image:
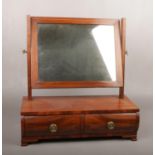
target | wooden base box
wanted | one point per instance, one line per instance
(49, 118)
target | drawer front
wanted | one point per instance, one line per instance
(52, 125)
(111, 123)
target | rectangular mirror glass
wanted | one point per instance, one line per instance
(74, 52)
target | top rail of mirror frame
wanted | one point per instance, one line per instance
(66, 20)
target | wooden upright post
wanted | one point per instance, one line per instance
(123, 46)
(29, 56)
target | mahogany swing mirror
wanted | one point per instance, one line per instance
(76, 53)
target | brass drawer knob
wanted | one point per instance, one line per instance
(53, 128)
(111, 125)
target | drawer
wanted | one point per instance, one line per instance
(51, 125)
(111, 123)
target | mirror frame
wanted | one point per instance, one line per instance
(32, 54)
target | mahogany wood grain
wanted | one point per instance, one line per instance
(29, 56)
(97, 123)
(67, 20)
(76, 105)
(30, 140)
(123, 44)
(39, 125)
(74, 126)
(78, 117)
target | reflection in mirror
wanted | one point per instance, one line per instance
(104, 37)
(69, 52)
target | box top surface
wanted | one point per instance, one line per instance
(76, 105)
